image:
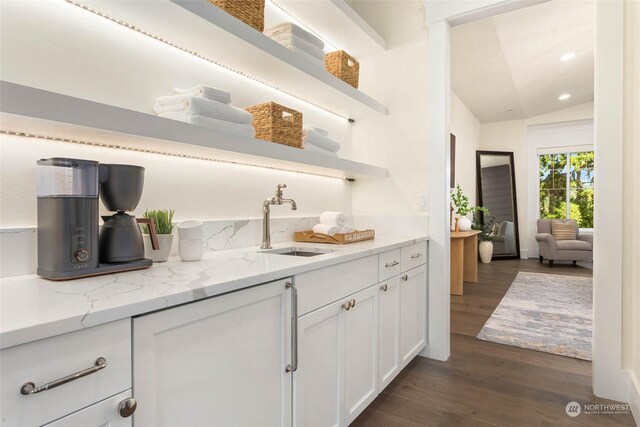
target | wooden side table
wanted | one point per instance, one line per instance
(464, 259)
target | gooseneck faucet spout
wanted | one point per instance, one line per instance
(266, 212)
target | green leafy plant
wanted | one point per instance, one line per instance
(485, 233)
(479, 213)
(460, 201)
(163, 220)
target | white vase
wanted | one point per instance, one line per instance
(162, 253)
(464, 223)
(486, 251)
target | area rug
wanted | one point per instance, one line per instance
(544, 312)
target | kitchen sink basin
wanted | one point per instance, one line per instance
(293, 251)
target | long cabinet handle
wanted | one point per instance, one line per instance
(30, 388)
(391, 264)
(416, 255)
(294, 327)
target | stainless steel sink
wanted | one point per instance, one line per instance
(298, 251)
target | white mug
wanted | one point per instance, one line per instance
(190, 230)
(191, 250)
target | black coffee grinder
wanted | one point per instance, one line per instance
(69, 245)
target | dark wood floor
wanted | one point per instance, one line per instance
(487, 384)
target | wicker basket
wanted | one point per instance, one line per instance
(343, 66)
(276, 123)
(251, 12)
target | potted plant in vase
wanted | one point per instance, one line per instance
(163, 220)
(461, 203)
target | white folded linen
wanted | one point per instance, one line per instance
(333, 218)
(315, 61)
(314, 138)
(196, 106)
(325, 229)
(291, 28)
(291, 40)
(208, 122)
(315, 149)
(316, 129)
(346, 228)
(208, 92)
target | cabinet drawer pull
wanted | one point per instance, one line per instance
(383, 287)
(30, 388)
(416, 255)
(391, 264)
(127, 407)
(294, 327)
(405, 277)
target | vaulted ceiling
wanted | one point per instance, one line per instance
(508, 66)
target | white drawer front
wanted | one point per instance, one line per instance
(320, 287)
(413, 256)
(47, 360)
(389, 264)
(102, 414)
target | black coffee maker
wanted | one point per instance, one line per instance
(69, 245)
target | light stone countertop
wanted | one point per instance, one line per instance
(33, 308)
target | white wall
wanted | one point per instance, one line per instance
(512, 136)
(466, 127)
(631, 194)
(56, 46)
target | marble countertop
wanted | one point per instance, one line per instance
(33, 308)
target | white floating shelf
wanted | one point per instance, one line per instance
(338, 23)
(199, 26)
(40, 112)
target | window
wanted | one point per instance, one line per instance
(566, 186)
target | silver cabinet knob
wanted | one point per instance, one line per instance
(405, 277)
(347, 305)
(383, 287)
(127, 407)
(353, 303)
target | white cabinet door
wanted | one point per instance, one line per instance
(388, 331)
(101, 414)
(216, 362)
(360, 352)
(413, 313)
(318, 381)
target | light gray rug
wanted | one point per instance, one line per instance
(544, 312)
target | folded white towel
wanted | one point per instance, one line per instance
(208, 92)
(315, 149)
(346, 228)
(291, 40)
(196, 106)
(333, 218)
(291, 28)
(314, 138)
(315, 61)
(208, 122)
(325, 229)
(316, 129)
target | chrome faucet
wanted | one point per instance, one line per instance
(277, 200)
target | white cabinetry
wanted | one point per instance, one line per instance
(413, 313)
(102, 414)
(216, 362)
(389, 331)
(337, 373)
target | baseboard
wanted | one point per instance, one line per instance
(634, 397)
(524, 253)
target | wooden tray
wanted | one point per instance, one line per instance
(338, 239)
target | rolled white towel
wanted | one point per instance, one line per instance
(291, 40)
(314, 149)
(325, 229)
(333, 218)
(314, 138)
(316, 129)
(219, 125)
(196, 106)
(346, 228)
(290, 27)
(208, 92)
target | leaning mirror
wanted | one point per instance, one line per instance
(496, 182)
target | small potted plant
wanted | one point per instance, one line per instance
(163, 220)
(461, 203)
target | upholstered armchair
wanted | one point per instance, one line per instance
(562, 246)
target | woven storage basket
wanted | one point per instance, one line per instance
(276, 123)
(343, 66)
(251, 12)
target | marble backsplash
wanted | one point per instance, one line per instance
(18, 246)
